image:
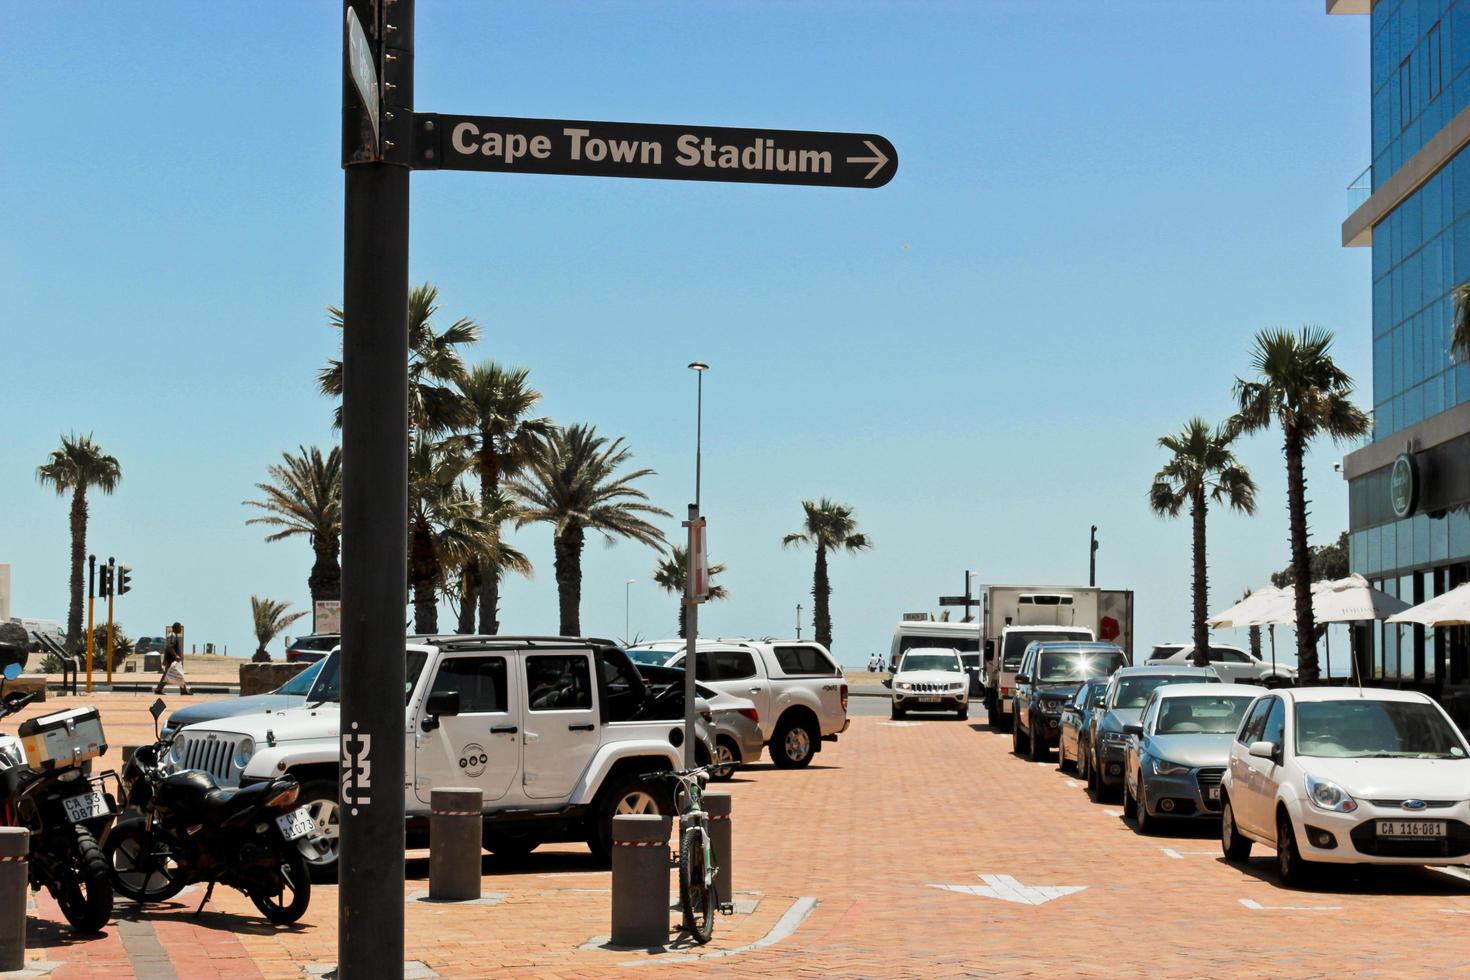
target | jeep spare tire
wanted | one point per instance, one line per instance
(794, 743)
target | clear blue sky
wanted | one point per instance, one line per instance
(1096, 207)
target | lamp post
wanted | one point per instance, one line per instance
(1092, 559)
(690, 599)
(798, 620)
(627, 606)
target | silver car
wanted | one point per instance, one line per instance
(735, 726)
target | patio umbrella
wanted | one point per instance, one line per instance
(1266, 606)
(1450, 609)
(1351, 600)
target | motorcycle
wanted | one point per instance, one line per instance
(187, 829)
(47, 787)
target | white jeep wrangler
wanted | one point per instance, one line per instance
(556, 733)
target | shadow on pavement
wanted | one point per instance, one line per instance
(52, 934)
(1360, 879)
(211, 918)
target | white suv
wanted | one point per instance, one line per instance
(556, 733)
(1233, 664)
(1347, 776)
(797, 687)
(931, 679)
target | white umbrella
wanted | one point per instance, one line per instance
(1262, 607)
(1351, 600)
(1450, 609)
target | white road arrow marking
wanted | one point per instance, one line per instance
(878, 160)
(1008, 889)
(1258, 907)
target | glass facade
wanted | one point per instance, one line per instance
(1421, 50)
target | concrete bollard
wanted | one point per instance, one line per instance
(14, 844)
(455, 830)
(640, 879)
(717, 805)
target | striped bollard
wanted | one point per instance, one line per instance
(14, 845)
(640, 879)
(455, 831)
(717, 805)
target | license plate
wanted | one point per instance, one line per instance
(85, 807)
(1213, 794)
(296, 824)
(928, 699)
(1411, 828)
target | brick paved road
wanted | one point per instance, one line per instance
(885, 815)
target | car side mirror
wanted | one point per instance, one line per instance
(1132, 729)
(1023, 678)
(1263, 750)
(441, 704)
(888, 682)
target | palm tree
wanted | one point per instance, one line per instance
(304, 498)
(433, 364)
(271, 619)
(445, 529)
(575, 487)
(498, 559)
(502, 436)
(1299, 387)
(1201, 468)
(1460, 331)
(78, 465)
(829, 526)
(672, 573)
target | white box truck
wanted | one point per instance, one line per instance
(1015, 616)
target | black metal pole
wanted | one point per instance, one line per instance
(1092, 558)
(374, 519)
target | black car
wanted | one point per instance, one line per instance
(310, 649)
(1072, 737)
(1048, 678)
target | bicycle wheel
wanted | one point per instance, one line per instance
(696, 886)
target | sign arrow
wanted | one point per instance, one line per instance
(1008, 889)
(877, 159)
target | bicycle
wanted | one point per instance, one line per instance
(698, 895)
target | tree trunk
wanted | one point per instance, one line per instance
(821, 590)
(262, 656)
(78, 562)
(1197, 510)
(489, 498)
(1301, 559)
(469, 582)
(325, 581)
(422, 578)
(683, 618)
(568, 548)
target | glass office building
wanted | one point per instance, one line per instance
(1409, 489)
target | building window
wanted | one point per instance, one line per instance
(1406, 90)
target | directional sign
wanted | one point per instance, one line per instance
(1008, 889)
(360, 64)
(614, 149)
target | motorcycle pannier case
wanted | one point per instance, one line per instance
(66, 738)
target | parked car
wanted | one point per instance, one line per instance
(1048, 677)
(964, 638)
(291, 694)
(148, 644)
(1235, 665)
(557, 733)
(735, 730)
(309, 649)
(1347, 776)
(1180, 748)
(1107, 739)
(931, 679)
(1072, 732)
(796, 686)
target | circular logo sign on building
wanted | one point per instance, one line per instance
(1403, 485)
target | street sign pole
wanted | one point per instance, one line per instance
(374, 486)
(91, 593)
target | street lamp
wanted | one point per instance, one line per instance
(1092, 559)
(691, 759)
(627, 605)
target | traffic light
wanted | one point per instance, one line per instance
(104, 588)
(124, 579)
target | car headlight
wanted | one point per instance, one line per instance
(1051, 707)
(1327, 795)
(244, 749)
(905, 686)
(960, 686)
(1163, 767)
(176, 754)
(1116, 738)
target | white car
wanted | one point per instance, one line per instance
(1347, 776)
(1233, 664)
(931, 679)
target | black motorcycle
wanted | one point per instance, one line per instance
(188, 829)
(66, 809)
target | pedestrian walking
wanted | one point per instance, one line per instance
(173, 661)
(874, 664)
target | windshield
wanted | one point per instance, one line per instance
(1062, 668)
(1016, 643)
(1133, 691)
(301, 683)
(1202, 715)
(1165, 650)
(1366, 729)
(328, 686)
(932, 661)
(648, 658)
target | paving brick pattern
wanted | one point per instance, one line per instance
(868, 830)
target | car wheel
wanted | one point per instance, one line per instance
(794, 745)
(1081, 766)
(1094, 786)
(1018, 741)
(895, 712)
(726, 761)
(1035, 747)
(1130, 808)
(1237, 848)
(1290, 867)
(992, 716)
(963, 713)
(629, 793)
(1145, 823)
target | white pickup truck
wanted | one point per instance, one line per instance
(555, 732)
(797, 688)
